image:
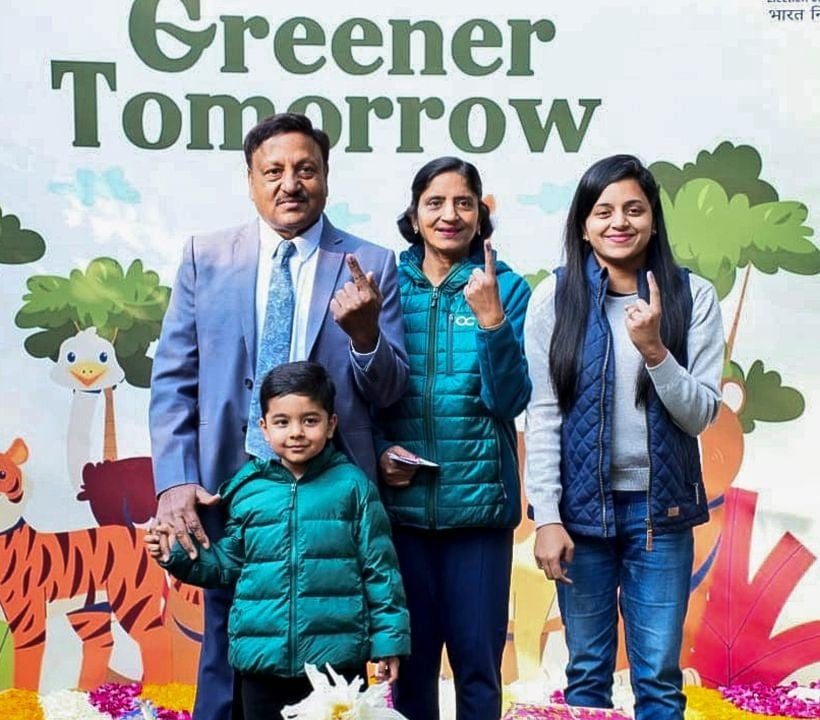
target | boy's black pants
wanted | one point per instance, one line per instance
(264, 695)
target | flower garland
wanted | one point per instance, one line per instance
(116, 701)
(733, 702)
(134, 701)
(166, 702)
(791, 701)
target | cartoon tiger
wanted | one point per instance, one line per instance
(101, 573)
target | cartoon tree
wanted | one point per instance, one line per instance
(722, 217)
(535, 279)
(126, 308)
(764, 396)
(18, 246)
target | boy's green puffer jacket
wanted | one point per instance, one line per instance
(315, 571)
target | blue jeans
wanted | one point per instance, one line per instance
(652, 589)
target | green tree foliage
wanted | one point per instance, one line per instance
(714, 234)
(735, 168)
(766, 398)
(721, 217)
(533, 279)
(18, 246)
(126, 308)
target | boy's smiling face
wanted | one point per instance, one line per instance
(297, 429)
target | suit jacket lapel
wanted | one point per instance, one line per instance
(246, 259)
(329, 265)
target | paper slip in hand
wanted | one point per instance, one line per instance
(415, 460)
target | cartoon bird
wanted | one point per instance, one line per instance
(87, 364)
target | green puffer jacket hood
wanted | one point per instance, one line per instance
(315, 573)
(466, 387)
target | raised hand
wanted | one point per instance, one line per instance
(356, 307)
(643, 323)
(481, 291)
(177, 508)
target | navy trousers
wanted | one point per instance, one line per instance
(218, 691)
(458, 588)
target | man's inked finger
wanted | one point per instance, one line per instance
(355, 270)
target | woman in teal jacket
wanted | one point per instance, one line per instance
(453, 516)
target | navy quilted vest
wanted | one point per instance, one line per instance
(677, 499)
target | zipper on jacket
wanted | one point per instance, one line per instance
(427, 411)
(697, 493)
(498, 461)
(450, 322)
(293, 565)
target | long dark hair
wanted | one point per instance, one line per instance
(572, 294)
(422, 180)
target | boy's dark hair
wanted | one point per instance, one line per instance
(298, 378)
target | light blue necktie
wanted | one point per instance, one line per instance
(275, 346)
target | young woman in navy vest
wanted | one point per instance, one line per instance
(625, 353)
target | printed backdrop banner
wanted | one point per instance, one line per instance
(121, 134)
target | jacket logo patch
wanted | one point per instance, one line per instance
(673, 511)
(464, 320)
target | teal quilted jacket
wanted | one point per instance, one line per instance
(466, 387)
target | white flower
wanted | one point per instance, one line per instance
(341, 700)
(806, 694)
(69, 705)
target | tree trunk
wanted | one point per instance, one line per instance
(110, 437)
(730, 343)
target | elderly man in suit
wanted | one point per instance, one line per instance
(205, 371)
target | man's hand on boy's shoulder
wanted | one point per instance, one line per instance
(387, 669)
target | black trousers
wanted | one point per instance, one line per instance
(264, 695)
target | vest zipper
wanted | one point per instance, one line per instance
(427, 414)
(601, 429)
(293, 566)
(649, 531)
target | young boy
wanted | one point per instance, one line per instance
(308, 550)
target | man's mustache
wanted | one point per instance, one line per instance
(298, 197)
